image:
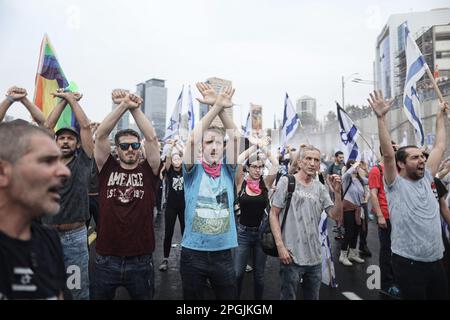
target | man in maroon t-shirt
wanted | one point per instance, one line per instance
(380, 208)
(125, 234)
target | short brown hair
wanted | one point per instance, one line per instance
(126, 132)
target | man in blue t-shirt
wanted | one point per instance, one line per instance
(210, 229)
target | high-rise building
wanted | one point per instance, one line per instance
(154, 107)
(390, 44)
(217, 84)
(306, 104)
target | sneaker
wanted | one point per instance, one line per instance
(164, 265)
(248, 268)
(365, 252)
(392, 292)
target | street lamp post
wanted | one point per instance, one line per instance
(343, 80)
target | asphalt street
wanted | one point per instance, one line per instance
(352, 281)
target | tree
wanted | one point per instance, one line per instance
(331, 116)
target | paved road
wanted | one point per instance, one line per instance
(351, 280)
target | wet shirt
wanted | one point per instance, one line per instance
(415, 219)
(32, 269)
(74, 193)
(301, 230)
(209, 213)
(126, 202)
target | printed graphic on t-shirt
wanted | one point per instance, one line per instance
(125, 187)
(177, 183)
(23, 280)
(212, 214)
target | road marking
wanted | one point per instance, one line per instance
(92, 237)
(351, 296)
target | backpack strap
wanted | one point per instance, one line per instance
(290, 191)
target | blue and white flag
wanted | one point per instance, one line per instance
(291, 121)
(415, 69)
(349, 134)
(191, 116)
(248, 126)
(328, 273)
(175, 120)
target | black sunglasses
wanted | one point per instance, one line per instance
(126, 146)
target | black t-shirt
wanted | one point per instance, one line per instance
(32, 269)
(175, 185)
(74, 193)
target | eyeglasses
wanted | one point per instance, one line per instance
(256, 167)
(126, 146)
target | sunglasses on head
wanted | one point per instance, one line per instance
(126, 146)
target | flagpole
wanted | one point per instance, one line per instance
(370, 147)
(304, 132)
(435, 86)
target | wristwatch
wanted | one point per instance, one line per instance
(9, 98)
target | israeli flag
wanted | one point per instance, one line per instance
(191, 116)
(247, 128)
(415, 69)
(348, 133)
(328, 272)
(291, 121)
(175, 120)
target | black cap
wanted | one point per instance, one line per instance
(70, 129)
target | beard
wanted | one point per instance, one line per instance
(127, 160)
(67, 153)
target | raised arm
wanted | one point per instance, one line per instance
(55, 114)
(232, 148)
(34, 111)
(151, 143)
(381, 108)
(87, 142)
(439, 144)
(195, 138)
(335, 212)
(272, 175)
(20, 94)
(7, 102)
(102, 147)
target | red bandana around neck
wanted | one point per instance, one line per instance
(212, 170)
(254, 186)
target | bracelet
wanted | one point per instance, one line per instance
(9, 98)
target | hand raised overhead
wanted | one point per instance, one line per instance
(60, 93)
(16, 93)
(118, 95)
(379, 105)
(224, 97)
(207, 92)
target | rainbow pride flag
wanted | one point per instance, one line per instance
(49, 77)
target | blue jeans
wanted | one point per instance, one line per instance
(248, 239)
(136, 274)
(290, 277)
(76, 261)
(198, 266)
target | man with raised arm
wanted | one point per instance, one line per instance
(77, 151)
(125, 234)
(210, 228)
(416, 239)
